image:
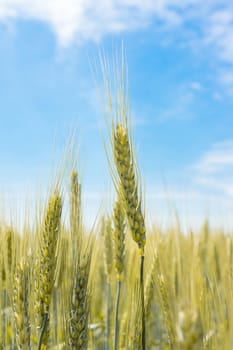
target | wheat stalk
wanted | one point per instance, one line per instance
(126, 179)
(119, 252)
(108, 264)
(79, 304)
(124, 160)
(47, 264)
(21, 306)
(75, 212)
(125, 164)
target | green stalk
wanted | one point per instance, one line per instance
(107, 329)
(116, 315)
(55, 315)
(143, 331)
(4, 303)
(43, 330)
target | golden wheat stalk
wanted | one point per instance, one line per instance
(108, 264)
(3, 300)
(21, 306)
(47, 264)
(126, 180)
(79, 304)
(150, 285)
(75, 212)
(119, 252)
(108, 248)
(9, 248)
(163, 289)
(125, 164)
(119, 238)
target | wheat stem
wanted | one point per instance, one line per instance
(142, 300)
(107, 326)
(43, 330)
(79, 304)
(47, 262)
(116, 334)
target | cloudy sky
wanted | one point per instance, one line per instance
(180, 62)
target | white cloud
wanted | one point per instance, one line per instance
(214, 170)
(217, 159)
(219, 33)
(85, 19)
(88, 19)
(195, 85)
(201, 24)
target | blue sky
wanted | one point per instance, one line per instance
(180, 60)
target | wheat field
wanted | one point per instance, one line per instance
(119, 286)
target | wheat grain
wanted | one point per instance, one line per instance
(47, 263)
(79, 305)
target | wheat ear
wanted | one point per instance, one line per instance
(125, 165)
(47, 265)
(20, 306)
(79, 304)
(119, 251)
